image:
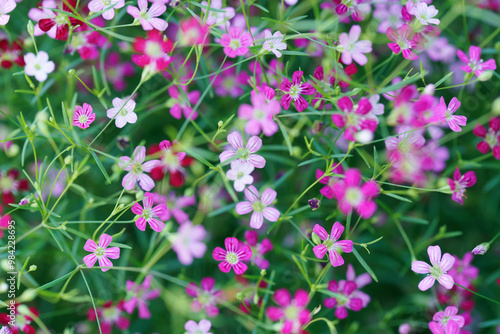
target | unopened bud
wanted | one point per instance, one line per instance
(495, 108)
(429, 89)
(485, 76)
(481, 249)
(33, 267)
(315, 238)
(314, 203)
(220, 124)
(31, 29)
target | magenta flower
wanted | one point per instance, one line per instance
(245, 153)
(260, 205)
(355, 118)
(294, 90)
(175, 205)
(137, 169)
(148, 213)
(96, 6)
(117, 71)
(149, 17)
(446, 114)
(345, 300)
(331, 244)
(459, 183)
(188, 243)
(193, 32)
(101, 252)
(258, 249)
(292, 312)
(491, 137)
(228, 82)
(205, 298)
(360, 281)
(447, 322)
(329, 181)
(438, 270)
(83, 117)
(351, 7)
(240, 174)
(109, 316)
(235, 42)
(141, 293)
(232, 256)
(403, 41)
(351, 195)
(259, 115)
(202, 328)
(181, 102)
(474, 62)
(463, 272)
(352, 49)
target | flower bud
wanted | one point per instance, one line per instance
(314, 203)
(481, 249)
(31, 29)
(485, 76)
(315, 238)
(429, 89)
(495, 108)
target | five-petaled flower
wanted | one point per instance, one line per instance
(123, 112)
(447, 321)
(352, 48)
(108, 6)
(149, 17)
(235, 42)
(101, 252)
(38, 65)
(331, 244)
(474, 63)
(274, 42)
(244, 153)
(438, 270)
(259, 205)
(294, 90)
(459, 183)
(83, 116)
(141, 293)
(206, 297)
(148, 213)
(137, 169)
(446, 114)
(491, 137)
(233, 256)
(403, 41)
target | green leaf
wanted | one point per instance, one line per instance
(21, 272)
(101, 167)
(285, 135)
(117, 244)
(401, 198)
(295, 53)
(54, 282)
(443, 79)
(364, 264)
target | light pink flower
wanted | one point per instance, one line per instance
(101, 252)
(474, 62)
(246, 153)
(447, 322)
(292, 312)
(233, 256)
(137, 169)
(38, 65)
(235, 42)
(352, 7)
(205, 298)
(175, 205)
(293, 91)
(259, 115)
(446, 114)
(259, 205)
(331, 244)
(149, 17)
(425, 14)
(240, 174)
(202, 328)
(463, 272)
(148, 213)
(188, 243)
(83, 117)
(181, 102)
(141, 293)
(217, 17)
(403, 41)
(96, 6)
(122, 112)
(438, 270)
(352, 49)
(360, 281)
(109, 316)
(274, 42)
(459, 183)
(6, 6)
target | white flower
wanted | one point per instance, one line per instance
(149, 17)
(274, 42)
(39, 65)
(6, 6)
(240, 174)
(96, 6)
(122, 113)
(425, 14)
(218, 17)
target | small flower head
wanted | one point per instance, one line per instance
(274, 42)
(101, 252)
(245, 153)
(481, 249)
(137, 169)
(148, 213)
(123, 112)
(474, 63)
(402, 41)
(235, 42)
(438, 270)
(260, 205)
(447, 321)
(149, 18)
(205, 298)
(352, 48)
(490, 137)
(446, 114)
(294, 91)
(202, 327)
(108, 6)
(331, 244)
(292, 312)
(141, 293)
(188, 242)
(38, 65)
(233, 256)
(83, 116)
(459, 183)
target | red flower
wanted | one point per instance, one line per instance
(10, 184)
(491, 137)
(21, 319)
(9, 56)
(59, 21)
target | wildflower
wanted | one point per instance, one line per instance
(259, 115)
(235, 42)
(206, 298)
(389, 15)
(351, 195)
(329, 181)
(188, 242)
(491, 137)
(314, 203)
(5, 329)
(447, 322)
(459, 183)
(123, 112)
(331, 244)
(202, 327)
(403, 41)
(258, 249)
(245, 153)
(149, 17)
(240, 174)
(153, 51)
(274, 42)
(360, 281)
(344, 298)
(193, 32)
(87, 42)
(6, 7)
(352, 49)
(463, 272)
(83, 116)
(10, 55)
(4, 222)
(56, 23)
(292, 312)
(294, 90)
(101, 252)
(350, 6)
(117, 71)
(481, 249)
(148, 213)
(180, 102)
(96, 6)
(11, 184)
(474, 63)
(446, 114)
(137, 169)
(22, 323)
(233, 256)
(403, 146)
(260, 205)
(141, 294)
(355, 118)
(438, 270)
(110, 315)
(424, 14)
(175, 205)
(404, 328)
(38, 66)
(172, 161)
(228, 82)
(218, 17)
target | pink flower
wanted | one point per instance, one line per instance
(55, 24)
(447, 322)
(355, 118)
(329, 181)
(147, 213)
(137, 169)
(101, 252)
(141, 293)
(181, 102)
(216, 17)
(109, 315)
(202, 328)
(351, 195)
(292, 312)
(6, 7)
(259, 205)
(153, 51)
(149, 17)
(446, 114)
(259, 115)
(350, 6)
(459, 183)
(258, 249)
(228, 82)
(232, 256)
(193, 32)
(116, 71)
(175, 205)
(475, 63)
(403, 41)
(245, 153)
(360, 281)
(240, 174)
(206, 298)
(171, 161)
(331, 244)
(294, 90)
(188, 243)
(83, 117)
(274, 42)
(438, 270)
(463, 272)
(345, 299)
(4, 222)
(235, 42)
(352, 49)
(424, 14)
(491, 137)
(96, 6)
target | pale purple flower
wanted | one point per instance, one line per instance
(96, 6)
(244, 153)
(148, 213)
(83, 116)
(217, 17)
(389, 15)
(175, 205)
(137, 169)
(122, 112)
(446, 114)
(331, 244)
(481, 249)
(425, 14)
(38, 65)
(188, 243)
(240, 173)
(459, 183)
(149, 17)
(274, 42)
(141, 294)
(447, 322)
(438, 270)
(352, 48)
(6, 6)
(202, 327)
(5, 329)
(475, 63)
(260, 205)
(101, 252)
(259, 115)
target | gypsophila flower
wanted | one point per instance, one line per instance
(438, 270)
(331, 244)
(260, 206)
(96, 6)
(447, 322)
(123, 112)
(141, 293)
(205, 297)
(459, 183)
(481, 249)
(474, 63)
(101, 252)
(490, 136)
(240, 174)
(38, 65)
(403, 41)
(148, 213)
(233, 256)
(149, 17)
(83, 116)
(245, 153)
(446, 114)
(202, 327)
(137, 169)
(188, 242)
(274, 42)
(6, 6)
(294, 90)
(236, 42)
(352, 48)
(425, 14)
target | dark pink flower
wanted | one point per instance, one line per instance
(474, 62)
(350, 7)
(141, 293)
(403, 41)
(153, 51)
(109, 316)
(294, 90)
(329, 181)
(258, 249)
(228, 82)
(345, 299)
(292, 312)
(491, 137)
(463, 272)
(446, 114)
(148, 213)
(233, 256)
(459, 183)
(101, 252)
(331, 244)
(355, 118)
(205, 298)
(181, 102)
(83, 116)
(193, 32)
(58, 21)
(235, 42)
